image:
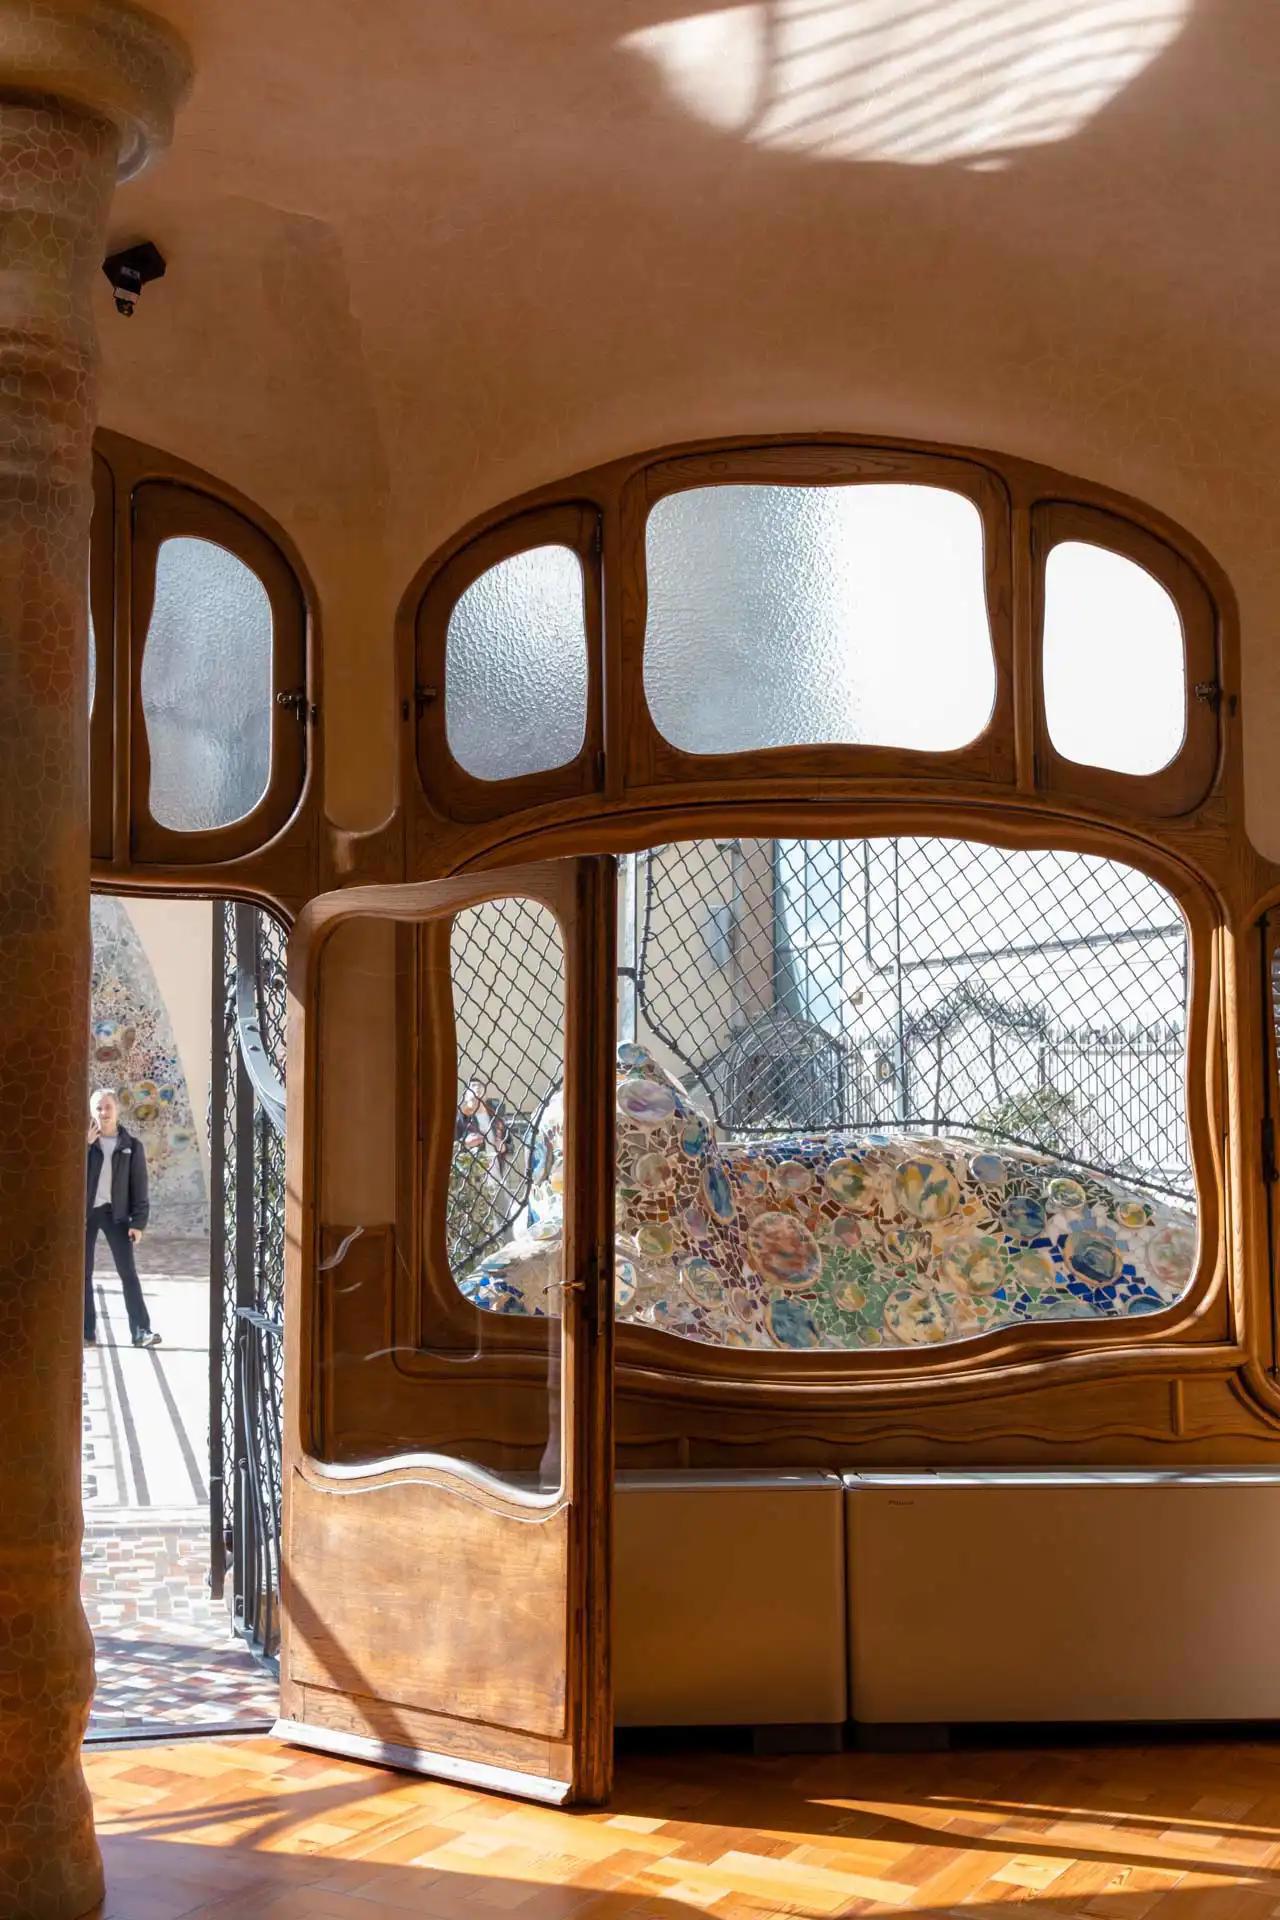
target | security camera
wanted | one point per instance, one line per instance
(130, 271)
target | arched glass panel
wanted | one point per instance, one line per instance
(794, 616)
(207, 687)
(516, 667)
(1115, 681)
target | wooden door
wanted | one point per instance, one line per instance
(448, 1441)
(1269, 1145)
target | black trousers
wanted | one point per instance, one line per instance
(100, 1221)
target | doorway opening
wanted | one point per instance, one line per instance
(180, 1472)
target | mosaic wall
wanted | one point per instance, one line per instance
(132, 1048)
(842, 1240)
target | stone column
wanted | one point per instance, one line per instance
(87, 91)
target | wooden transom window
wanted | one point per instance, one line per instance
(509, 668)
(201, 707)
(840, 611)
(1128, 682)
(792, 616)
(220, 749)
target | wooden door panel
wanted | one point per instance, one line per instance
(433, 1743)
(386, 1633)
(447, 1477)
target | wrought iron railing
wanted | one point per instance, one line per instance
(246, 1351)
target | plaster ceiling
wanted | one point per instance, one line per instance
(423, 257)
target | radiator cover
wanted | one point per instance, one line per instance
(1063, 1596)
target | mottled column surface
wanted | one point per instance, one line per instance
(87, 91)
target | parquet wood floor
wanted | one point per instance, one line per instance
(252, 1830)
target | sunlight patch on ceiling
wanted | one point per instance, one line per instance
(923, 84)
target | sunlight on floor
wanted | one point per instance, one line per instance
(252, 1830)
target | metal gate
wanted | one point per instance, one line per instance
(246, 1264)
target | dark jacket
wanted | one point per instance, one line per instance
(130, 1200)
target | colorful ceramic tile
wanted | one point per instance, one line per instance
(843, 1241)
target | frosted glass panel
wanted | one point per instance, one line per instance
(206, 687)
(515, 669)
(1115, 678)
(796, 616)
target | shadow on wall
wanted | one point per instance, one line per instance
(132, 1048)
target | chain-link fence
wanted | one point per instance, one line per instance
(921, 985)
(508, 988)
(894, 985)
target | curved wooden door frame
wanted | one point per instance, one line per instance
(102, 728)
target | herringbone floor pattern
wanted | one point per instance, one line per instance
(251, 1830)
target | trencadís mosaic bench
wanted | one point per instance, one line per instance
(838, 1239)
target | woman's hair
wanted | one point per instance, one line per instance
(100, 1093)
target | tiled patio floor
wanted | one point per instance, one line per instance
(166, 1656)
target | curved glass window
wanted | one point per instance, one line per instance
(803, 616)
(876, 1093)
(1115, 681)
(515, 681)
(207, 687)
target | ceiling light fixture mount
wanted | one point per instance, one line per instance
(130, 271)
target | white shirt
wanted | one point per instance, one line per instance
(108, 1143)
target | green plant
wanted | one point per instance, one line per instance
(1042, 1115)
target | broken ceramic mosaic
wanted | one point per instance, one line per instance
(838, 1239)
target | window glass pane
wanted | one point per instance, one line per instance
(1115, 678)
(882, 1093)
(505, 1208)
(508, 1001)
(793, 616)
(515, 676)
(207, 687)
(487, 1393)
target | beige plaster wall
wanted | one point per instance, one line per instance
(420, 264)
